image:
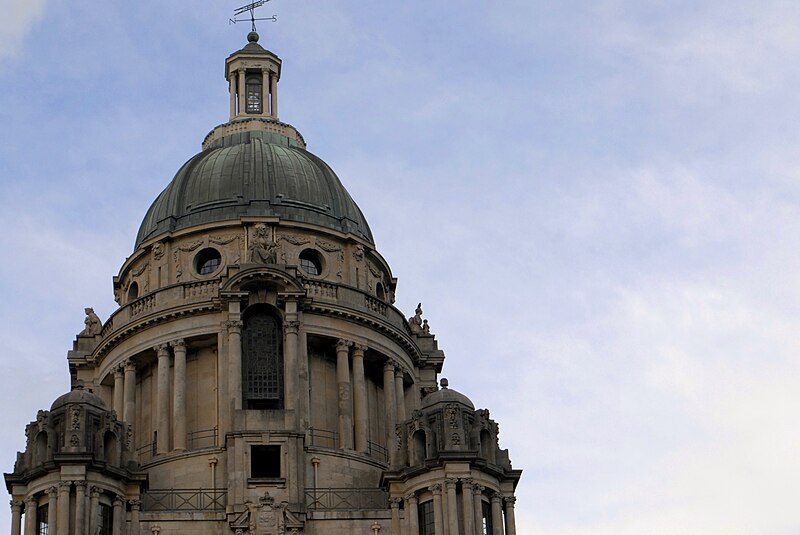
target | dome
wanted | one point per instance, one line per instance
(79, 395)
(254, 174)
(446, 395)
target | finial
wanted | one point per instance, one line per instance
(444, 383)
(251, 8)
(252, 37)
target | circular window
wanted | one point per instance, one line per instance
(311, 262)
(207, 261)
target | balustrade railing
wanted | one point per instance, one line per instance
(184, 500)
(347, 499)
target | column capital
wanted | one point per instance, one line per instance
(31, 501)
(291, 327)
(467, 482)
(411, 497)
(179, 344)
(52, 492)
(136, 505)
(389, 366)
(16, 505)
(496, 497)
(343, 345)
(510, 500)
(119, 501)
(119, 371)
(233, 326)
(435, 489)
(394, 503)
(162, 350)
(398, 372)
(64, 486)
(450, 483)
(477, 489)
(95, 492)
(80, 485)
(129, 365)
(359, 349)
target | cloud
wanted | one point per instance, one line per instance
(19, 17)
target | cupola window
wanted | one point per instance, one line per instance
(262, 359)
(253, 88)
(311, 262)
(207, 261)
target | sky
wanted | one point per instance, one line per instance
(596, 202)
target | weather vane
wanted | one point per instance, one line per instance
(252, 9)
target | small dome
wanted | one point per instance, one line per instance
(79, 395)
(446, 395)
(252, 174)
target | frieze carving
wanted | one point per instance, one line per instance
(75, 417)
(158, 251)
(137, 272)
(262, 248)
(451, 410)
(176, 255)
(294, 240)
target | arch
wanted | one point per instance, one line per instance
(262, 358)
(418, 448)
(133, 291)
(261, 276)
(380, 292)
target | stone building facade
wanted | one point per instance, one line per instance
(256, 378)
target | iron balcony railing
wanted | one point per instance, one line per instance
(195, 440)
(184, 500)
(323, 438)
(347, 499)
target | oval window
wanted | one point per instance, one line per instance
(207, 261)
(311, 262)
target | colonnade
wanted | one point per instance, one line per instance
(85, 513)
(445, 499)
(269, 94)
(352, 400)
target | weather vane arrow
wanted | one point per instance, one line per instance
(252, 9)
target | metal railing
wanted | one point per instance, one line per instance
(377, 452)
(205, 438)
(184, 500)
(347, 499)
(323, 438)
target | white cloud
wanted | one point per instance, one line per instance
(19, 17)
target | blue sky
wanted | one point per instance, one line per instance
(598, 204)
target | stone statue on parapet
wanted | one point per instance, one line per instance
(415, 322)
(262, 249)
(92, 322)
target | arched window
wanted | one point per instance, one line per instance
(262, 359)
(133, 292)
(253, 96)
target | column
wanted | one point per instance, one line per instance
(94, 505)
(52, 509)
(497, 514)
(302, 377)
(119, 392)
(119, 516)
(179, 396)
(511, 522)
(391, 409)
(413, 515)
(136, 507)
(452, 506)
(129, 414)
(467, 502)
(80, 507)
(291, 329)
(162, 396)
(477, 494)
(438, 519)
(345, 399)
(394, 503)
(400, 397)
(242, 104)
(274, 94)
(266, 101)
(16, 517)
(232, 90)
(360, 397)
(64, 488)
(31, 504)
(235, 362)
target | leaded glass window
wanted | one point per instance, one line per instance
(253, 93)
(262, 358)
(426, 518)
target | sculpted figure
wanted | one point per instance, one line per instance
(262, 249)
(92, 322)
(415, 322)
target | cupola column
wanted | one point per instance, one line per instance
(477, 495)
(119, 516)
(466, 506)
(52, 509)
(438, 518)
(119, 392)
(179, 396)
(345, 397)
(265, 92)
(232, 89)
(400, 397)
(497, 514)
(16, 517)
(94, 506)
(412, 513)
(162, 397)
(290, 365)
(273, 93)
(391, 407)
(360, 397)
(31, 504)
(452, 506)
(511, 523)
(64, 488)
(80, 507)
(242, 103)
(130, 392)
(136, 507)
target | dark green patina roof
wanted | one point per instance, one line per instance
(253, 174)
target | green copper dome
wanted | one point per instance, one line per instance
(251, 174)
